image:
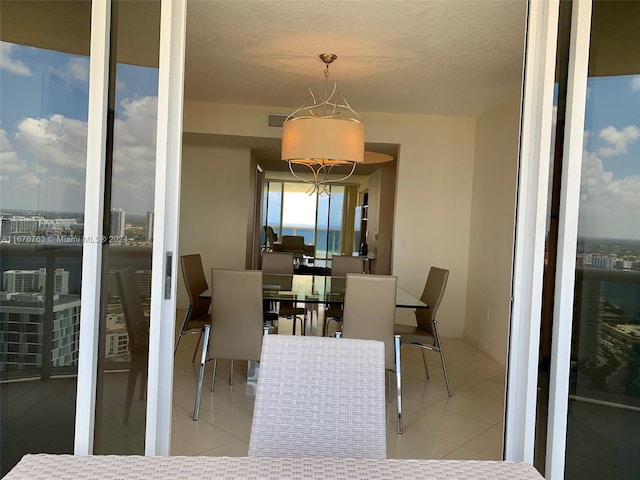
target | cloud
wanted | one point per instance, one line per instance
(78, 69)
(135, 154)
(608, 205)
(7, 63)
(619, 139)
(31, 180)
(9, 161)
(52, 157)
(635, 84)
(56, 140)
(3, 178)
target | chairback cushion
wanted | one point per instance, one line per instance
(236, 333)
(319, 397)
(369, 310)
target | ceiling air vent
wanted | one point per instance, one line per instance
(275, 120)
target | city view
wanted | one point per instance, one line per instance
(41, 282)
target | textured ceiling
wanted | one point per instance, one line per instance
(446, 57)
(450, 57)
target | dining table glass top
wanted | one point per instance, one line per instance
(320, 289)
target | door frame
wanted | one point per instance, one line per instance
(528, 262)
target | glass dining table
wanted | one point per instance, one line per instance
(311, 290)
(317, 289)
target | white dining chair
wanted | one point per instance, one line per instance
(320, 397)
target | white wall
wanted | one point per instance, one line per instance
(433, 194)
(214, 207)
(492, 229)
(433, 205)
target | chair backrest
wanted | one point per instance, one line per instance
(196, 283)
(134, 317)
(236, 333)
(270, 235)
(319, 397)
(293, 243)
(277, 262)
(369, 310)
(343, 264)
(432, 296)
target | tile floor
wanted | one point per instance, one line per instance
(466, 426)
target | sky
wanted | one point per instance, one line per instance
(43, 128)
(43, 132)
(610, 184)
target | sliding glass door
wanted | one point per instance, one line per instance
(603, 415)
(590, 333)
(44, 93)
(90, 130)
(128, 228)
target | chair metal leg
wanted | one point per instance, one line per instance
(424, 360)
(203, 360)
(184, 322)
(398, 381)
(231, 374)
(213, 376)
(195, 351)
(444, 366)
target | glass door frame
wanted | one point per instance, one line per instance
(567, 238)
(528, 262)
(165, 229)
(529, 257)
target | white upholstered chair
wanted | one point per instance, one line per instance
(425, 334)
(319, 397)
(369, 313)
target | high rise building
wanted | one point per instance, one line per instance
(22, 338)
(117, 222)
(150, 226)
(31, 281)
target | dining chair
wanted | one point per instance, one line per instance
(425, 334)
(340, 266)
(343, 264)
(270, 237)
(302, 380)
(197, 314)
(237, 331)
(138, 331)
(369, 313)
(282, 263)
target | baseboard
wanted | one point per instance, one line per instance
(500, 357)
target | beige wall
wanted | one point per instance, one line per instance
(433, 205)
(492, 228)
(214, 207)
